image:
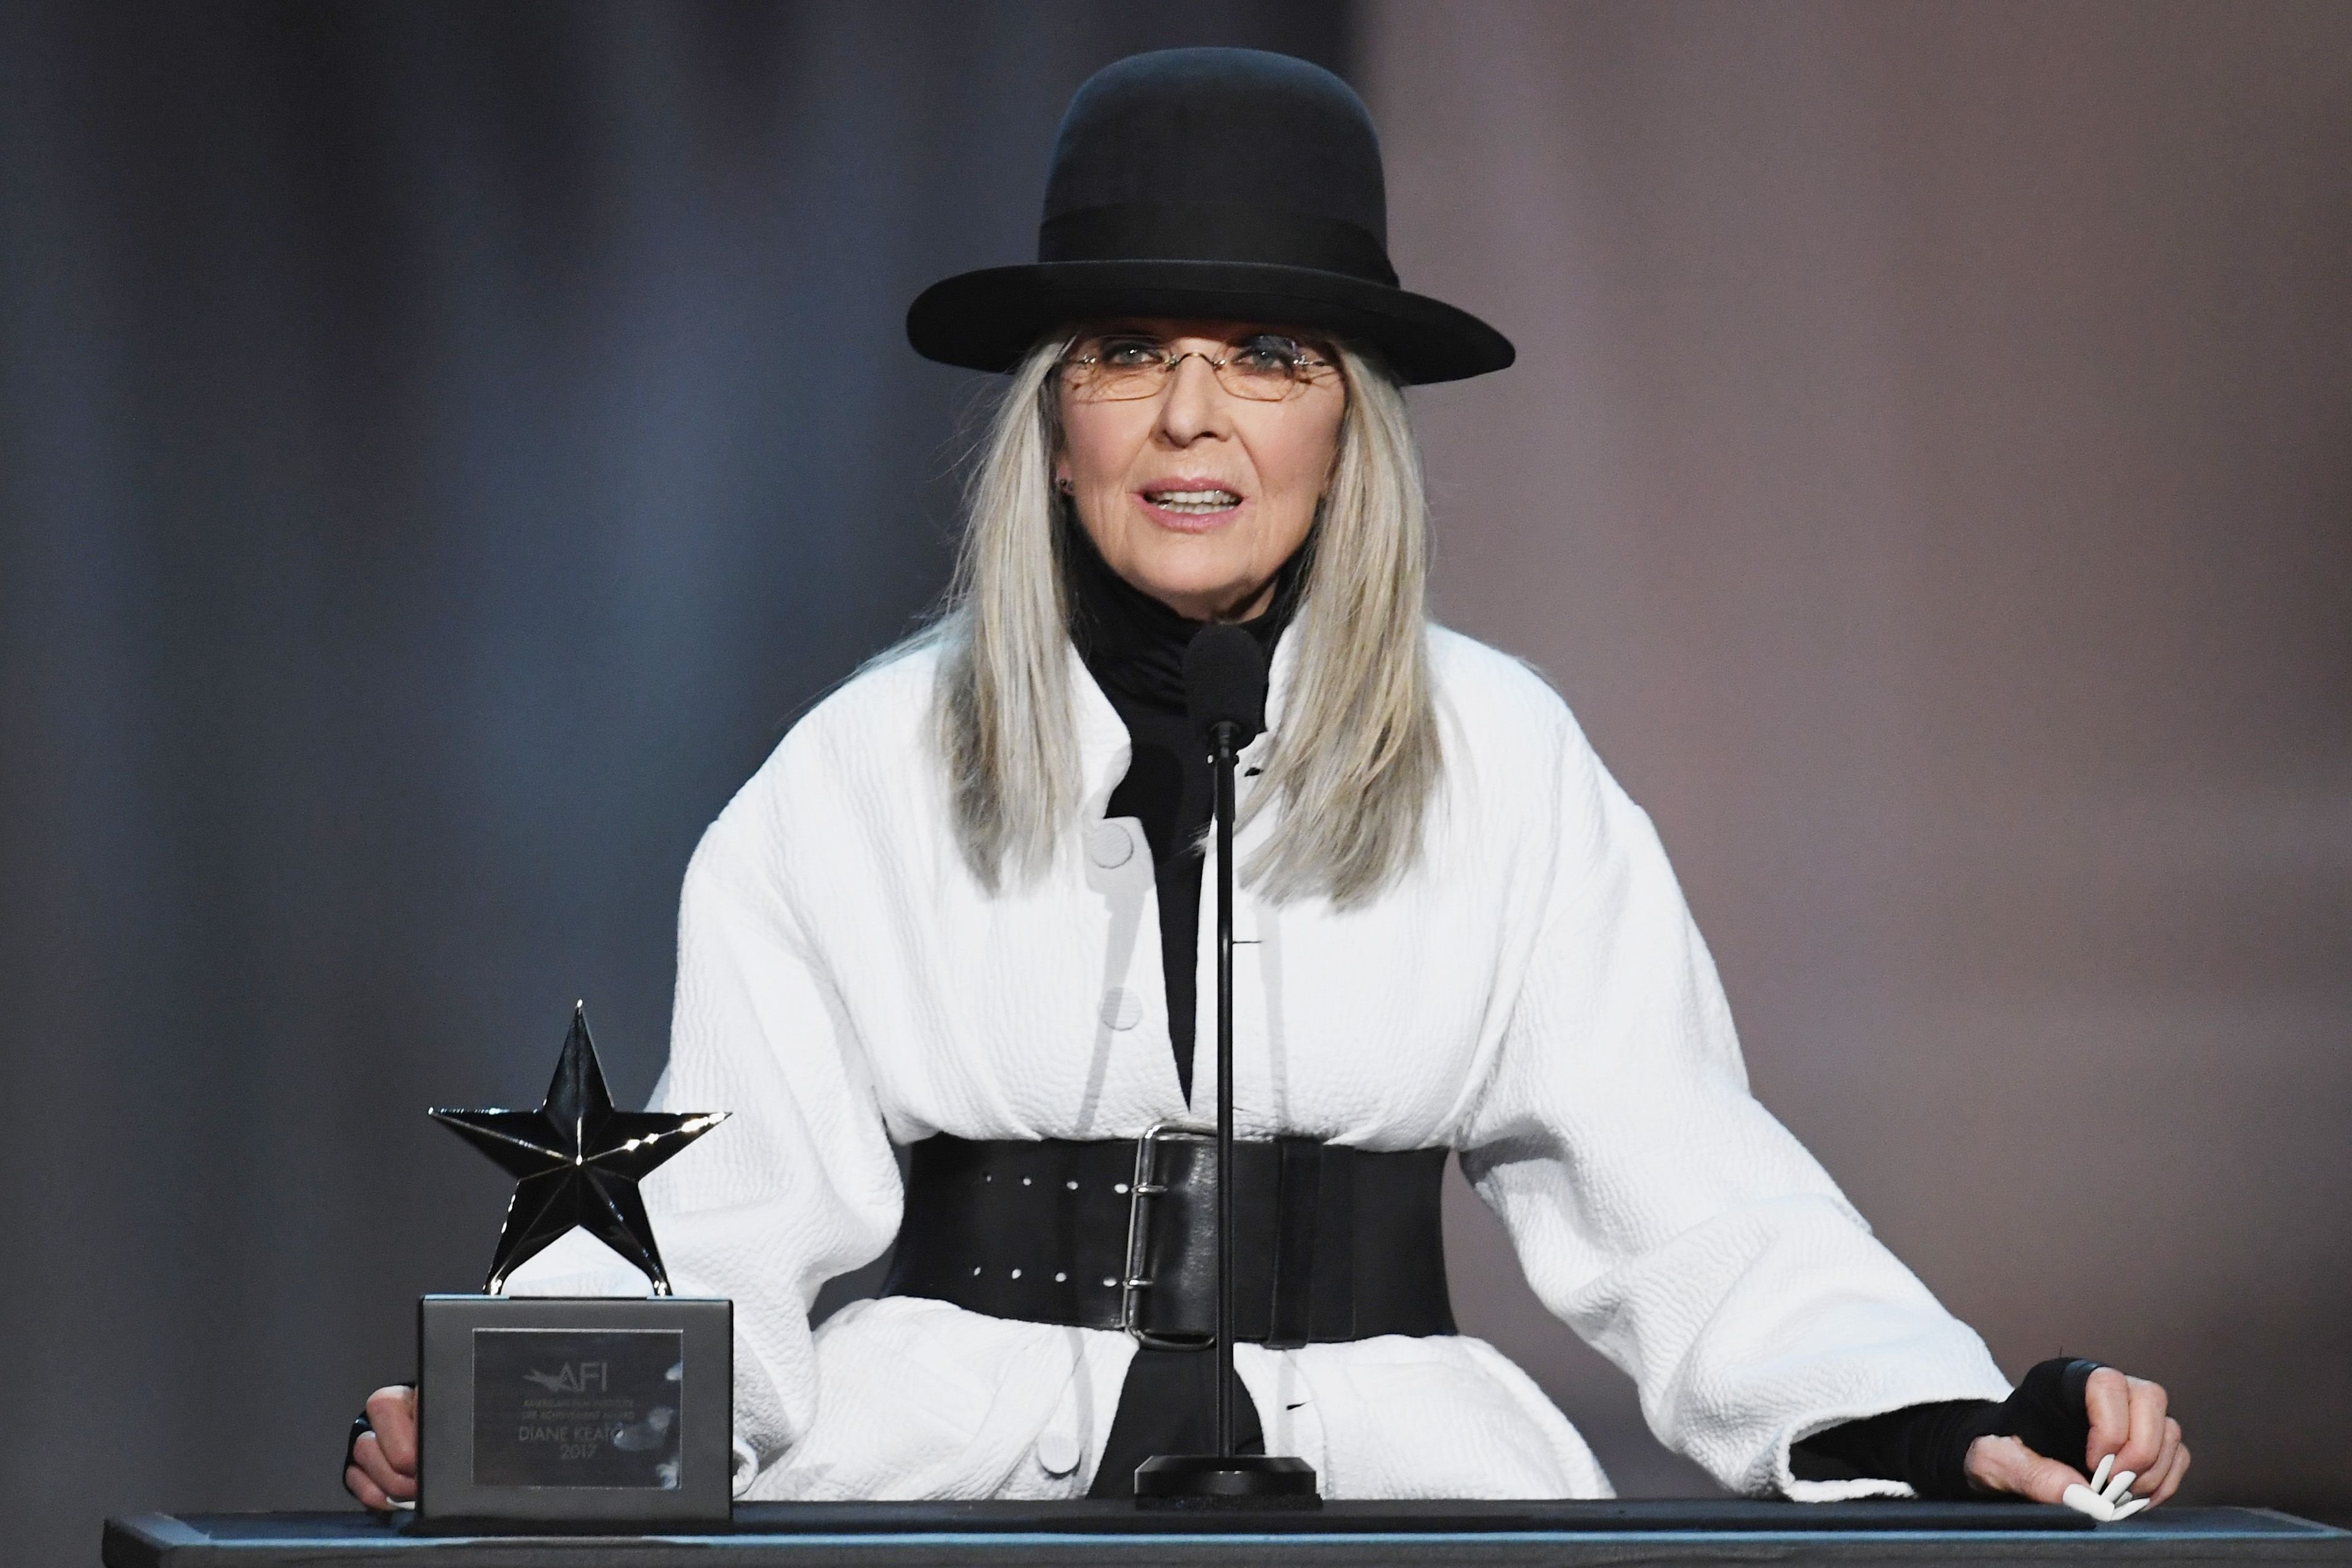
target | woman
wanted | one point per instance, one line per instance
(959, 911)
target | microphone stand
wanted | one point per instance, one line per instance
(1226, 735)
(1225, 1479)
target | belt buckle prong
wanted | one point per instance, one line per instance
(1133, 1281)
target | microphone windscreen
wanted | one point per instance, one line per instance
(1224, 680)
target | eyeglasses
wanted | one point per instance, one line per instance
(1265, 367)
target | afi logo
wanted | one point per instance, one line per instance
(577, 1377)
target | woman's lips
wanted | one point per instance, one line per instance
(1190, 508)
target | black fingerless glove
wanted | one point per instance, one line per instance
(1927, 1444)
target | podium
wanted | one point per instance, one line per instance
(1342, 1535)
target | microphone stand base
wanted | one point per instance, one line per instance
(1213, 1481)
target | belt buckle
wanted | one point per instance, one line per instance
(1133, 1281)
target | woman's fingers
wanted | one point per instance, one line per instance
(2107, 1400)
(2129, 1420)
(2167, 1447)
(2006, 1465)
(368, 1459)
(393, 1413)
(2168, 1479)
(383, 1471)
(2149, 1402)
(356, 1482)
(365, 1485)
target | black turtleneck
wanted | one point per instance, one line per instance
(1134, 647)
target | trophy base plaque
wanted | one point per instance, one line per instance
(564, 1412)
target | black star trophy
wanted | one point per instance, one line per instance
(581, 1411)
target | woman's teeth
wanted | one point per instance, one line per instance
(1193, 500)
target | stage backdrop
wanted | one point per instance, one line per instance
(442, 448)
(1926, 475)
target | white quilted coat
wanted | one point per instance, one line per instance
(1533, 995)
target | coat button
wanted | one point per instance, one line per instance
(1057, 1451)
(1110, 845)
(1121, 1009)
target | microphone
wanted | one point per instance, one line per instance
(1224, 693)
(1224, 684)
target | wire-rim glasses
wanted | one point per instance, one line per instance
(1121, 367)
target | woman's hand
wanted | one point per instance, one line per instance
(2127, 1420)
(383, 1471)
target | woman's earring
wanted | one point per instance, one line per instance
(1062, 483)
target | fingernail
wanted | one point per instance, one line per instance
(2132, 1507)
(2082, 1499)
(2120, 1485)
(2099, 1477)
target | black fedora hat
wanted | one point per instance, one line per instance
(1228, 185)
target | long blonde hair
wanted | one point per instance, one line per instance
(1356, 761)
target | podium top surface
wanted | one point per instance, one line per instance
(1376, 1534)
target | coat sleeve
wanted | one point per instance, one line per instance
(1656, 1207)
(800, 1184)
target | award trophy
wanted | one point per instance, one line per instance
(584, 1410)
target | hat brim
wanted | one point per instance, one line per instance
(987, 320)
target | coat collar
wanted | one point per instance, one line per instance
(1104, 749)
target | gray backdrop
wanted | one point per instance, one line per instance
(1926, 474)
(441, 448)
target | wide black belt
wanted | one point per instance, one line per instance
(1329, 1243)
